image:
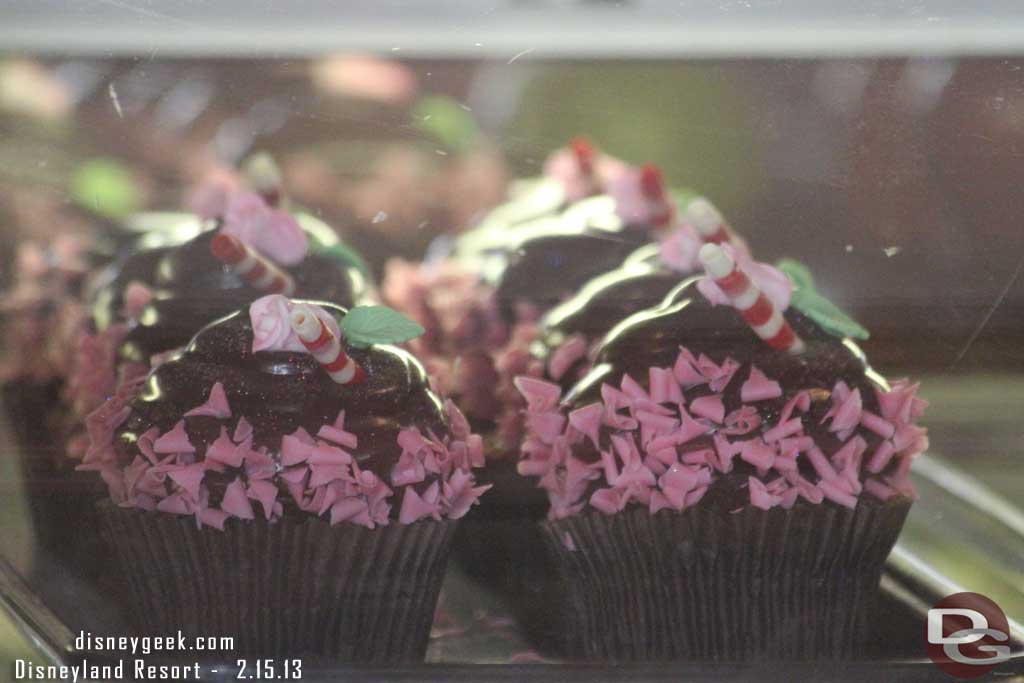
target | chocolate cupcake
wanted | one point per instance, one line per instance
(480, 306)
(240, 246)
(282, 485)
(729, 477)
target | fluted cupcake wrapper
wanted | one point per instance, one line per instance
(297, 587)
(710, 584)
(60, 500)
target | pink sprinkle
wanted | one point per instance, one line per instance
(759, 496)
(722, 375)
(295, 475)
(408, 470)
(783, 429)
(632, 388)
(325, 474)
(788, 498)
(846, 414)
(175, 504)
(414, 507)
(224, 451)
(609, 501)
(587, 421)
(325, 454)
(821, 464)
(878, 489)
(877, 424)
(684, 370)
(802, 402)
(881, 457)
(410, 439)
(806, 489)
(565, 356)
(189, 478)
(693, 497)
(759, 388)
(338, 436)
(539, 395)
(458, 422)
(216, 404)
(569, 545)
(758, 453)
(294, 450)
(662, 383)
(835, 494)
(213, 518)
(174, 441)
(243, 430)
(145, 443)
(136, 297)
(547, 426)
(355, 510)
(690, 429)
(710, 407)
(266, 493)
(704, 456)
(726, 451)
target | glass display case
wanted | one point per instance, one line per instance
(518, 340)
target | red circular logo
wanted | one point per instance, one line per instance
(967, 635)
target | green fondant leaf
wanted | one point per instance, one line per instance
(808, 301)
(797, 272)
(683, 196)
(344, 254)
(106, 187)
(366, 325)
(446, 120)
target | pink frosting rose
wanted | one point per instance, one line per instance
(209, 199)
(273, 232)
(272, 328)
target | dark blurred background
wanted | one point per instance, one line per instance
(896, 180)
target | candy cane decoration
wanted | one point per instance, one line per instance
(584, 152)
(251, 266)
(652, 187)
(324, 346)
(712, 228)
(751, 303)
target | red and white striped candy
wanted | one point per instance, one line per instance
(324, 346)
(652, 186)
(585, 154)
(756, 309)
(708, 221)
(251, 266)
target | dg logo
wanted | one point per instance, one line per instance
(967, 635)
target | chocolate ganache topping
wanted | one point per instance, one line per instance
(276, 428)
(551, 258)
(191, 288)
(280, 391)
(686, 318)
(641, 282)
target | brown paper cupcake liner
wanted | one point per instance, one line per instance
(60, 500)
(297, 587)
(710, 584)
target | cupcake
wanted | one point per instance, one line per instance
(728, 478)
(480, 305)
(243, 246)
(290, 480)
